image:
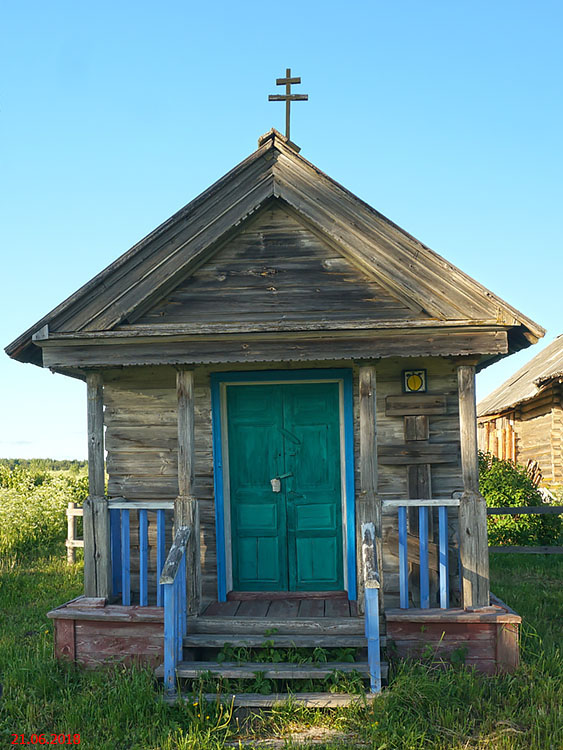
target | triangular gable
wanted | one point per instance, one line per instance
(274, 270)
(144, 275)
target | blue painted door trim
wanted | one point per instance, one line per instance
(253, 376)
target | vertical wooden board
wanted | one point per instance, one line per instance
(468, 427)
(186, 445)
(368, 509)
(65, 644)
(507, 647)
(96, 478)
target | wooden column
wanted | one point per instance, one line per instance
(186, 507)
(97, 560)
(474, 552)
(368, 508)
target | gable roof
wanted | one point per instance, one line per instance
(527, 382)
(127, 288)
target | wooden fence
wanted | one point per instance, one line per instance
(527, 510)
(72, 543)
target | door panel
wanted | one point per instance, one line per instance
(258, 515)
(290, 540)
(314, 512)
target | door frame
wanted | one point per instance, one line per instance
(219, 382)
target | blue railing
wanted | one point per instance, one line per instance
(424, 507)
(173, 581)
(372, 585)
(120, 511)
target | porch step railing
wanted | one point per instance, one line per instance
(173, 581)
(424, 506)
(120, 511)
(372, 586)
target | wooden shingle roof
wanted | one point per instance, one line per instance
(527, 382)
(137, 281)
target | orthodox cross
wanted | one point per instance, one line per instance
(288, 97)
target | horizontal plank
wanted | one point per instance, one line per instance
(483, 614)
(540, 550)
(526, 510)
(247, 671)
(310, 700)
(208, 640)
(415, 404)
(420, 452)
(124, 504)
(434, 502)
(258, 626)
(243, 596)
(255, 348)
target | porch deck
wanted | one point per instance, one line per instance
(283, 608)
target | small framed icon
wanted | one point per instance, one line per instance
(414, 381)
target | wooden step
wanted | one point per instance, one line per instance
(260, 626)
(256, 700)
(204, 640)
(281, 671)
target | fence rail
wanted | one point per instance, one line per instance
(521, 511)
(72, 542)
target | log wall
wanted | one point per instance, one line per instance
(532, 432)
(141, 441)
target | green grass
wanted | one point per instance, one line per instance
(426, 707)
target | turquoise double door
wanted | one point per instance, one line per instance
(285, 486)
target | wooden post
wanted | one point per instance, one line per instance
(97, 561)
(186, 507)
(369, 506)
(474, 551)
(70, 535)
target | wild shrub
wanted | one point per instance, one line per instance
(506, 484)
(32, 508)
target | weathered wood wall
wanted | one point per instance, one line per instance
(276, 269)
(532, 432)
(141, 440)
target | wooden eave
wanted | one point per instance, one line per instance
(128, 348)
(406, 267)
(527, 383)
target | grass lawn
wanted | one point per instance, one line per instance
(425, 707)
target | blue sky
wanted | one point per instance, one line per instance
(445, 116)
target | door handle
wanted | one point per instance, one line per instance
(276, 481)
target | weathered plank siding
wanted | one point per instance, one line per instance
(276, 269)
(141, 440)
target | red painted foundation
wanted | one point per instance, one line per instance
(485, 638)
(91, 632)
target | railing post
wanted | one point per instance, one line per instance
(443, 556)
(474, 552)
(173, 581)
(70, 534)
(97, 563)
(403, 559)
(186, 507)
(160, 554)
(169, 637)
(423, 557)
(115, 534)
(371, 598)
(368, 507)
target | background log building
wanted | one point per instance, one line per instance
(522, 419)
